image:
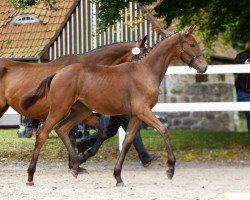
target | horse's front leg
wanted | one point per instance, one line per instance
(133, 125)
(149, 118)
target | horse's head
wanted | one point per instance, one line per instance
(190, 52)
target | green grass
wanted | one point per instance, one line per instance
(187, 144)
(190, 139)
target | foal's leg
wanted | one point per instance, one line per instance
(90, 121)
(149, 118)
(42, 136)
(63, 131)
(93, 150)
(72, 138)
(133, 125)
(109, 131)
(56, 113)
(75, 117)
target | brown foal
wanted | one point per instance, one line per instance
(17, 78)
(130, 88)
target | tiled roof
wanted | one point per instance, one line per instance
(29, 40)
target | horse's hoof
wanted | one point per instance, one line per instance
(170, 174)
(31, 183)
(74, 172)
(120, 184)
(82, 170)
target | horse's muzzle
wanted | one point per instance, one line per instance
(201, 69)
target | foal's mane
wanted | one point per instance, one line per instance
(150, 49)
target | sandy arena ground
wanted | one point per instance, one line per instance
(192, 181)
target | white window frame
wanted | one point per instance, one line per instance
(24, 19)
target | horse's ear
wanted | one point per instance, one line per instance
(190, 30)
(142, 42)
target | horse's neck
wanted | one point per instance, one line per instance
(107, 55)
(157, 61)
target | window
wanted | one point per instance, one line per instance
(24, 19)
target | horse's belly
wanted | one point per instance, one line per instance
(37, 111)
(109, 107)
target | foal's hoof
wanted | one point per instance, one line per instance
(82, 170)
(74, 172)
(120, 184)
(30, 183)
(170, 174)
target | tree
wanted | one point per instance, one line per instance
(230, 19)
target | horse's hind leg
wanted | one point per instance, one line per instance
(76, 116)
(57, 112)
(72, 138)
(66, 125)
(42, 136)
(94, 122)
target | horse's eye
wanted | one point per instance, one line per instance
(192, 45)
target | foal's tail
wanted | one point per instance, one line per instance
(32, 97)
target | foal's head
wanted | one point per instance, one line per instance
(190, 52)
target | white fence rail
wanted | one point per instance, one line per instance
(206, 106)
(201, 107)
(10, 118)
(212, 69)
(13, 118)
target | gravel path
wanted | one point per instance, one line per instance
(192, 181)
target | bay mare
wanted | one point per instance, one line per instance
(131, 88)
(17, 78)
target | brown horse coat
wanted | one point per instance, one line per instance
(129, 88)
(17, 78)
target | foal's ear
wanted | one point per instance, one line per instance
(190, 30)
(142, 42)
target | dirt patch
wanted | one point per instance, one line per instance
(192, 180)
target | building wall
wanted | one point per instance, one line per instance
(212, 88)
(80, 33)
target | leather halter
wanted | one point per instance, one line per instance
(182, 50)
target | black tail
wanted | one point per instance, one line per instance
(32, 97)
